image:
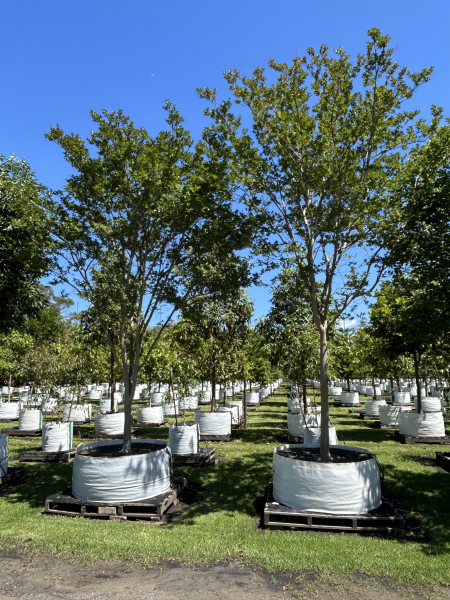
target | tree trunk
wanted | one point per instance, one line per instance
(348, 383)
(225, 393)
(419, 395)
(392, 388)
(130, 387)
(112, 384)
(213, 389)
(245, 404)
(325, 412)
(426, 377)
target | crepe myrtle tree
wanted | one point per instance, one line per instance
(135, 225)
(327, 137)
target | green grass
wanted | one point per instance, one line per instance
(224, 525)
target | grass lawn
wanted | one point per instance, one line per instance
(224, 524)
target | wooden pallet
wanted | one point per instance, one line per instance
(356, 411)
(365, 417)
(16, 432)
(384, 520)
(406, 439)
(204, 458)
(443, 460)
(216, 438)
(295, 439)
(9, 420)
(163, 424)
(348, 405)
(12, 475)
(151, 509)
(41, 456)
(380, 425)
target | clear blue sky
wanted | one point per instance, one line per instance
(61, 58)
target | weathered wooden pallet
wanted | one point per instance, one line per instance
(349, 405)
(151, 509)
(16, 432)
(356, 411)
(92, 436)
(216, 438)
(380, 425)
(383, 520)
(88, 422)
(406, 439)
(295, 439)
(9, 420)
(239, 425)
(163, 424)
(443, 460)
(365, 417)
(12, 475)
(204, 458)
(41, 456)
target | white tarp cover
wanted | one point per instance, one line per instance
(428, 424)
(126, 478)
(297, 423)
(57, 437)
(350, 398)
(429, 404)
(150, 414)
(213, 423)
(109, 424)
(312, 435)
(335, 488)
(30, 419)
(372, 407)
(3, 454)
(9, 410)
(184, 439)
(234, 410)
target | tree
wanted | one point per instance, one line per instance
(24, 242)
(327, 139)
(135, 226)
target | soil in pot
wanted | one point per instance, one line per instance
(338, 455)
(115, 450)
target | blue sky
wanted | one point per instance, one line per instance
(62, 58)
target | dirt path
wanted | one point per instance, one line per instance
(49, 578)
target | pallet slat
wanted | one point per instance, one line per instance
(41, 456)
(216, 438)
(204, 458)
(16, 432)
(12, 474)
(406, 439)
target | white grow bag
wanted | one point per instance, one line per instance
(213, 423)
(152, 415)
(30, 419)
(95, 394)
(57, 437)
(127, 478)
(372, 407)
(3, 454)
(263, 393)
(189, 403)
(10, 410)
(234, 410)
(326, 487)
(170, 410)
(389, 415)
(184, 439)
(252, 398)
(157, 398)
(79, 412)
(297, 423)
(415, 425)
(238, 405)
(104, 405)
(312, 435)
(350, 398)
(49, 405)
(402, 398)
(429, 404)
(204, 396)
(109, 424)
(334, 391)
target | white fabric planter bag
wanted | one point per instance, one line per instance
(312, 435)
(428, 424)
(157, 398)
(95, 395)
(429, 404)
(30, 419)
(184, 439)
(109, 424)
(49, 405)
(293, 403)
(326, 487)
(213, 423)
(238, 405)
(389, 415)
(252, 398)
(204, 396)
(369, 391)
(189, 403)
(350, 398)
(297, 423)
(263, 393)
(170, 410)
(105, 404)
(234, 410)
(79, 412)
(334, 391)
(372, 407)
(128, 478)
(377, 391)
(57, 437)
(3, 454)
(10, 410)
(402, 398)
(145, 393)
(152, 415)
